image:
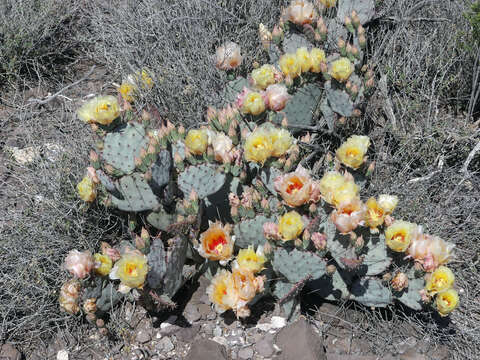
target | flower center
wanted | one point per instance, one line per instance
(131, 269)
(217, 241)
(352, 152)
(400, 236)
(294, 184)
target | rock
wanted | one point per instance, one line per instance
(264, 346)
(62, 355)
(299, 341)
(167, 329)
(191, 313)
(144, 331)
(359, 357)
(206, 350)
(23, 156)
(188, 334)
(217, 331)
(8, 352)
(277, 322)
(206, 311)
(245, 353)
(165, 345)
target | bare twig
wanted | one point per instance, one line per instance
(470, 157)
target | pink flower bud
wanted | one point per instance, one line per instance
(319, 240)
(270, 231)
(92, 174)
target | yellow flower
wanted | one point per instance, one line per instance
(290, 225)
(127, 90)
(290, 65)
(251, 260)
(258, 146)
(341, 69)
(101, 109)
(264, 76)
(103, 264)
(281, 141)
(399, 235)
(253, 103)
(352, 152)
(388, 203)
(197, 141)
(317, 57)
(131, 269)
(144, 79)
(375, 215)
(446, 302)
(86, 189)
(335, 188)
(216, 243)
(303, 58)
(222, 292)
(329, 3)
(440, 280)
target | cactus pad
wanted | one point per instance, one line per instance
(328, 115)
(371, 292)
(364, 8)
(250, 232)
(109, 298)
(411, 296)
(330, 288)
(268, 176)
(161, 170)
(123, 146)
(296, 265)
(293, 41)
(204, 179)
(339, 101)
(232, 89)
(137, 195)
(160, 219)
(376, 258)
(176, 256)
(157, 265)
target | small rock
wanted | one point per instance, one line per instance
(278, 322)
(8, 352)
(191, 313)
(62, 355)
(165, 345)
(220, 340)
(206, 350)
(188, 334)
(299, 341)
(205, 310)
(144, 331)
(168, 329)
(264, 346)
(217, 331)
(245, 353)
(23, 156)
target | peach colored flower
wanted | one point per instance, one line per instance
(295, 187)
(446, 302)
(430, 251)
(222, 148)
(228, 56)
(348, 215)
(276, 97)
(222, 291)
(216, 243)
(319, 240)
(270, 231)
(79, 264)
(301, 12)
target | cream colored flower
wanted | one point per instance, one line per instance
(250, 260)
(216, 243)
(131, 269)
(440, 280)
(341, 69)
(430, 251)
(290, 65)
(388, 203)
(253, 103)
(290, 226)
(399, 235)
(317, 57)
(348, 215)
(79, 264)
(222, 292)
(446, 301)
(101, 109)
(336, 188)
(294, 188)
(276, 97)
(197, 141)
(263, 76)
(282, 140)
(222, 148)
(259, 146)
(87, 189)
(301, 12)
(103, 264)
(244, 282)
(352, 152)
(303, 58)
(228, 56)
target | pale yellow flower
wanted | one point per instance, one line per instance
(290, 225)
(336, 188)
(303, 58)
(222, 148)
(388, 203)
(352, 152)
(399, 235)
(341, 69)
(131, 269)
(440, 280)
(446, 302)
(127, 91)
(263, 76)
(253, 103)
(216, 243)
(86, 189)
(317, 57)
(290, 65)
(251, 260)
(281, 141)
(222, 292)
(259, 146)
(295, 188)
(101, 109)
(103, 264)
(197, 141)
(375, 215)
(244, 282)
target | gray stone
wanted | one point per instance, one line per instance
(206, 350)
(359, 357)
(245, 353)
(205, 311)
(264, 346)
(9, 352)
(188, 334)
(165, 344)
(298, 341)
(191, 313)
(217, 331)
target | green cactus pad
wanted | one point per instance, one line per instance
(339, 101)
(411, 296)
(204, 179)
(250, 232)
(231, 90)
(157, 265)
(328, 116)
(364, 8)
(329, 287)
(268, 176)
(375, 250)
(176, 257)
(371, 292)
(137, 194)
(161, 170)
(274, 53)
(293, 41)
(301, 107)
(160, 219)
(109, 298)
(121, 148)
(297, 265)
(281, 290)
(335, 30)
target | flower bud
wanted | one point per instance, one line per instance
(362, 41)
(243, 175)
(285, 122)
(357, 113)
(319, 241)
(211, 114)
(93, 156)
(370, 169)
(264, 204)
(100, 323)
(234, 211)
(348, 24)
(341, 46)
(361, 30)
(90, 306)
(355, 19)
(331, 269)
(312, 208)
(103, 331)
(136, 160)
(181, 130)
(277, 34)
(267, 248)
(387, 277)
(298, 243)
(359, 242)
(306, 235)
(400, 281)
(91, 317)
(369, 83)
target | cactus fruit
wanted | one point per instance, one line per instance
(204, 179)
(137, 194)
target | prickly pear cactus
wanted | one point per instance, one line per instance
(204, 179)
(298, 265)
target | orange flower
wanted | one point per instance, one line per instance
(375, 214)
(295, 188)
(216, 243)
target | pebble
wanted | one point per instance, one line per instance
(217, 331)
(191, 313)
(264, 346)
(165, 345)
(245, 353)
(188, 334)
(220, 340)
(62, 355)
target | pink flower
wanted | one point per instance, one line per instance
(295, 188)
(348, 215)
(270, 231)
(79, 264)
(430, 251)
(241, 97)
(315, 193)
(276, 97)
(228, 56)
